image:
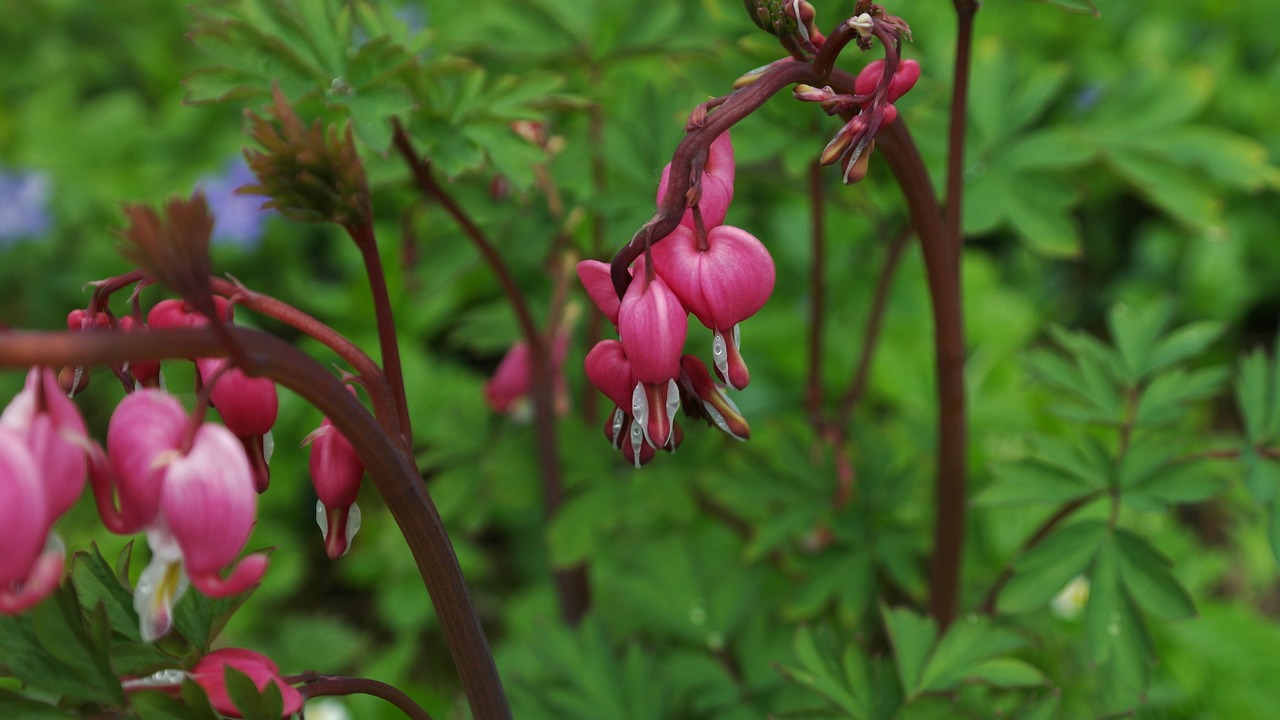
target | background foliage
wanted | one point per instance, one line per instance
(1120, 214)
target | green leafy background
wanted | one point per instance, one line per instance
(1120, 275)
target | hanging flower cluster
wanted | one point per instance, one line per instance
(721, 275)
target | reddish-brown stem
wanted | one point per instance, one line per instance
(871, 336)
(572, 587)
(965, 11)
(393, 473)
(941, 258)
(388, 343)
(317, 685)
(817, 292)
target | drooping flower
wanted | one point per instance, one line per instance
(248, 406)
(55, 435)
(702, 397)
(336, 472)
(211, 675)
(652, 325)
(508, 390)
(723, 282)
(195, 499)
(30, 565)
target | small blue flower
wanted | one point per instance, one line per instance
(24, 205)
(238, 219)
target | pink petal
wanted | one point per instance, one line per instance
(723, 285)
(248, 405)
(599, 286)
(652, 324)
(145, 424)
(608, 368)
(210, 675)
(23, 510)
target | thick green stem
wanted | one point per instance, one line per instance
(393, 473)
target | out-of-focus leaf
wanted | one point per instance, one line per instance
(1046, 568)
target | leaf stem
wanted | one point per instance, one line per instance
(317, 685)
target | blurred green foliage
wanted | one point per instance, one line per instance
(1117, 183)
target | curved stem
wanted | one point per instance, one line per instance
(318, 685)
(394, 475)
(388, 343)
(942, 267)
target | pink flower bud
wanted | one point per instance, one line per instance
(652, 324)
(705, 399)
(512, 381)
(336, 472)
(145, 372)
(904, 78)
(178, 314)
(28, 572)
(208, 501)
(211, 675)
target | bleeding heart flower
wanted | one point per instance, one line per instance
(336, 472)
(248, 406)
(722, 283)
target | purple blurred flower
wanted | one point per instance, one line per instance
(24, 205)
(238, 219)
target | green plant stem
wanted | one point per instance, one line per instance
(572, 584)
(388, 343)
(318, 685)
(393, 473)
(941, 259)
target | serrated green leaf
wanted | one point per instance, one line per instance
(912, 637)
(1033, 481)
(1047, 567)
(1134, 330)
(1255, 395)
(968, 642)
(96, 583)
(817, 674)
(1145, 573)
(60, 625)
(1008, 673)
(1184, 343)
(1169, 188)
(1166, 398)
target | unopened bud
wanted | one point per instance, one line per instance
(863, 24)
(856, 166)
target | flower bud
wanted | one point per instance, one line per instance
(336, 472)
(211, 675)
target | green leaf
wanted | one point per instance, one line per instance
(912, 637)
(1033, 481)
(1047, 567)
(1262, 475)
(59, 624)
(1134, 330)
(817, 673)
(96, 584)
(13, 705)
(245, 696)
(1166, 398)
(1058, 148)
(1169, 188)
(153, 705)
(1145, 573)
(199, 618)
(1074, 6)
(1008, 673)
(1116, 634)
(1184, 343)
(1255, 394)
(966, 644)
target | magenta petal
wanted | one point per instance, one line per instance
(608, 368)
(247, 573)
(599, 285)
(723, 285)
(145, 424)
(41, 580)
(336, 470)
(652, 324)
(511, 380)
(208, 500)
(23, 513)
